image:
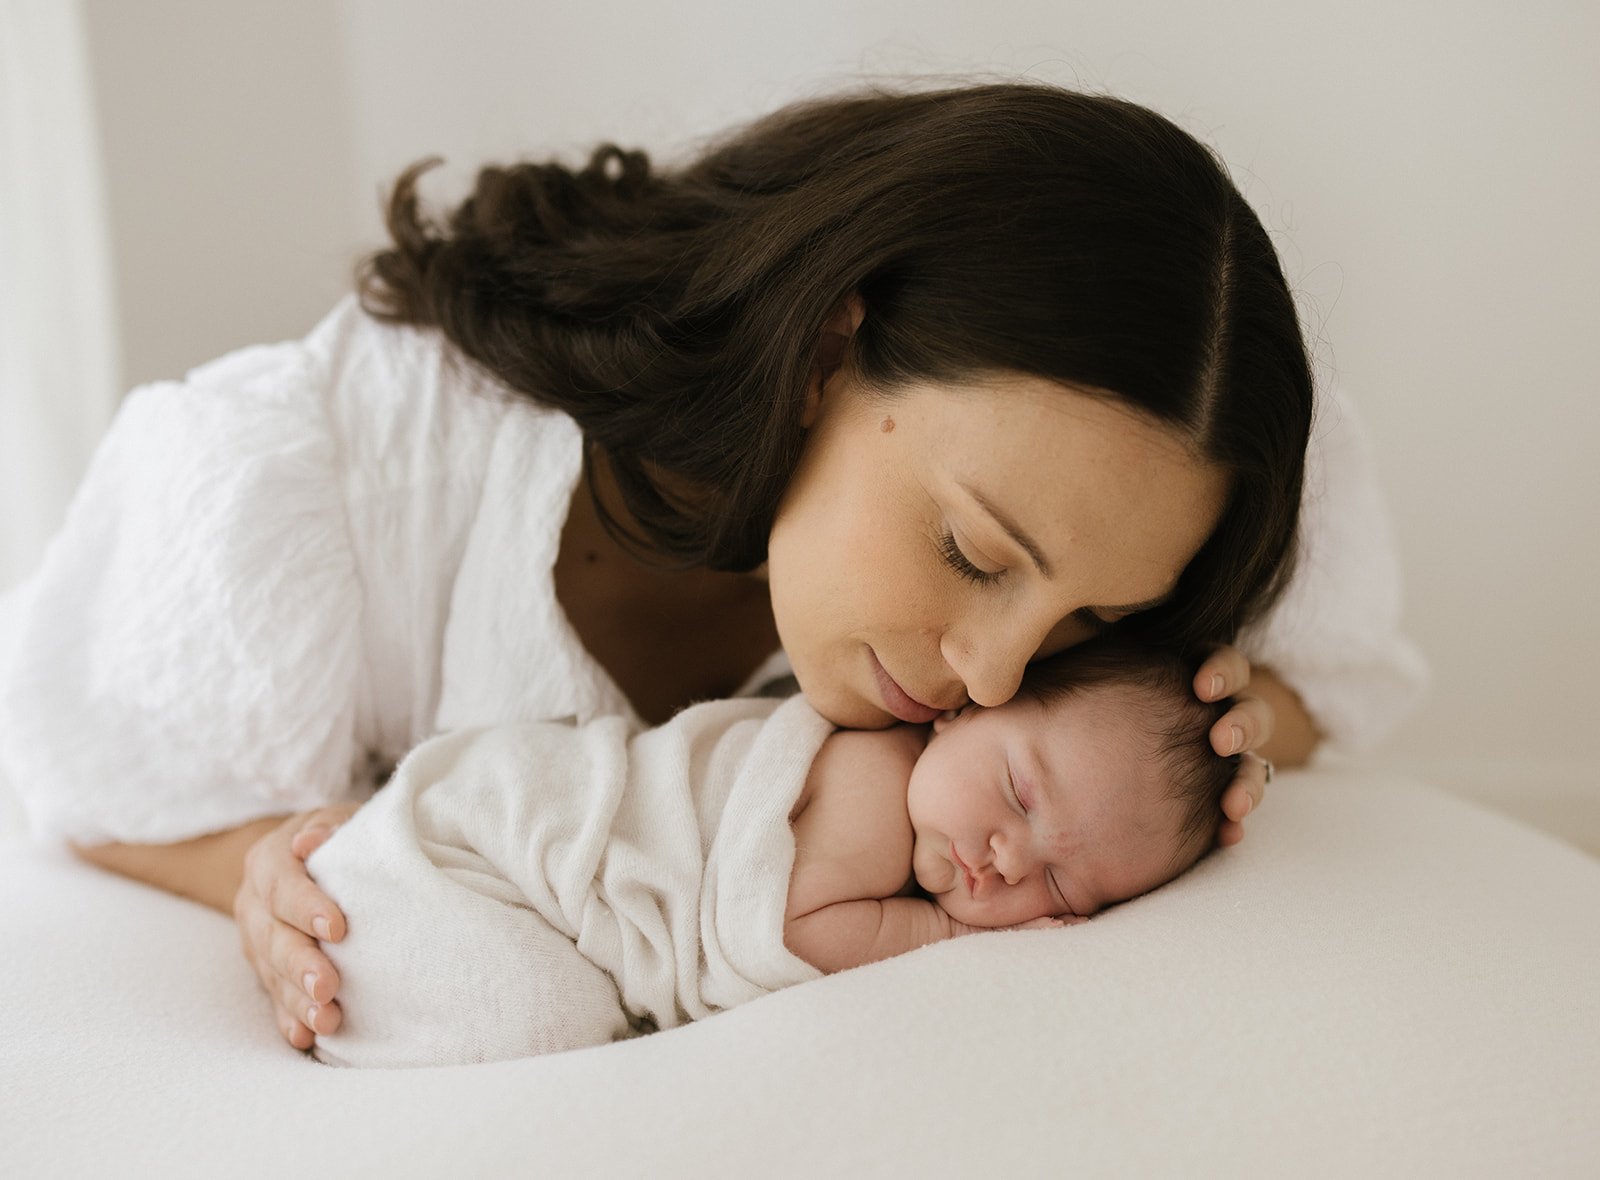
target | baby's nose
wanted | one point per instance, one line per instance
(1009, 862)
(1013, 867)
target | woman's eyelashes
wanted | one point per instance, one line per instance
(955, 557)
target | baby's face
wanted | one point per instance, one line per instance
(1028, 811)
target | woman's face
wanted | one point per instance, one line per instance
(930, 545)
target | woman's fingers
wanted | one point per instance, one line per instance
(297, 1034)
(304, 975)
(277, 878)
(1225, 672)
(314, 827)
(281, 914)
(304, 993)
(1242, 797)
(295, 897)
(1246, 791)
(308, 840)
(1246, 726)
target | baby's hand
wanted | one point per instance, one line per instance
(1045, 923)
(1048, 923)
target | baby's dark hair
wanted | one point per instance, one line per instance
(1176, 723)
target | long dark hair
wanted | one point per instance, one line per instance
(675, 314)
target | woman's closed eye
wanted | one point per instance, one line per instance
(956, 558)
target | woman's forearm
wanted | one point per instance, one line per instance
(207, 869)
(1294, 735)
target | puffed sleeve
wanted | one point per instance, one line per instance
(1334, 636)
(184, 660)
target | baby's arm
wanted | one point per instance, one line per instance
(853, 844)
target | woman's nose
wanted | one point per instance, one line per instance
(989, 662)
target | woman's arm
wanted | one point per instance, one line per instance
(207, 869)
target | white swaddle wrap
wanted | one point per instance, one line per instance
(539, 887)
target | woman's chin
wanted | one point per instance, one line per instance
(848, 710)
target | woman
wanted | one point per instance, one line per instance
(924, 386)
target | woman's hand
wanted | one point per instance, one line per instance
(281, 914)
(1243, 729)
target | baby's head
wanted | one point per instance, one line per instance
(1095, 783)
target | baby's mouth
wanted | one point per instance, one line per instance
(955, 858)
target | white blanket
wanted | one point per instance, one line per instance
(1381, 981)
(540, 887)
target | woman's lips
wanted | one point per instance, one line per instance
(897, 700)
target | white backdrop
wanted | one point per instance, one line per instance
(1431, 171)
(58, 380)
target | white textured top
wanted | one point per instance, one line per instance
(284, 571)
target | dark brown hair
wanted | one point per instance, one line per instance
(1175, 724)
(1010, 228)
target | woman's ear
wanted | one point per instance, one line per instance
(832, 343)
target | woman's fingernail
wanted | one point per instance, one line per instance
(324, 931)
(309, 982)
(1216, 685)
(1249, 806)
(311, 1016)
(1238, 739)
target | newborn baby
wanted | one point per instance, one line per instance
(540, 887)
(1095, 783)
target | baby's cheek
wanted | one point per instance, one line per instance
(925, 868)
(1039, 902)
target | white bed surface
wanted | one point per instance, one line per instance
(1381, 980)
